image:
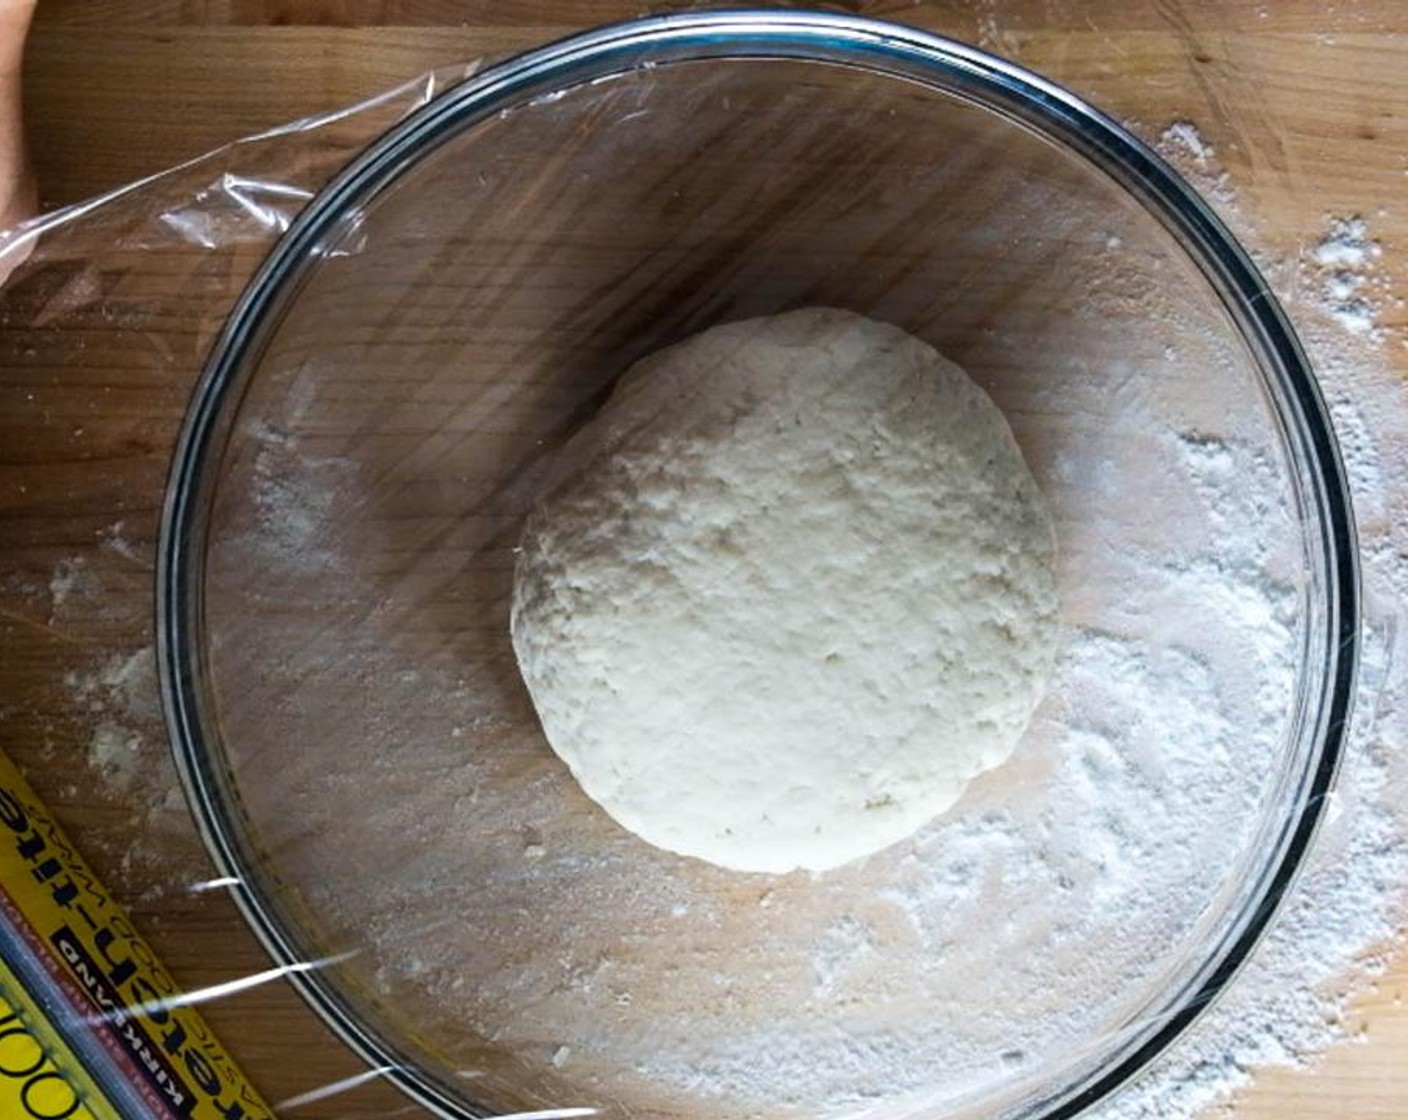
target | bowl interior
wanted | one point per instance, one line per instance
(395, 804)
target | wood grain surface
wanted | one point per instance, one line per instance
(1306, 104)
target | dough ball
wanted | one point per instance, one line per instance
(788, 592)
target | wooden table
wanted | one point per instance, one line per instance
(1306, 104)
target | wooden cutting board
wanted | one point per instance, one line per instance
(1307, 106)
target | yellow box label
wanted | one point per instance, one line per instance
(110, 974)
(40, 1079)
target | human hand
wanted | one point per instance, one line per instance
(19, 197)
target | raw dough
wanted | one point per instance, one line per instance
(790, 590)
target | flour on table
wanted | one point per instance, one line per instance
(1346, 912)
(1183, 144)
(1342, 269)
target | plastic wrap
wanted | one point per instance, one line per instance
(139, 279)
(406, 822)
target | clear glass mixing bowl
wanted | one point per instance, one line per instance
(338, 551)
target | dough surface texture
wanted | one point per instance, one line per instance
(787, 593)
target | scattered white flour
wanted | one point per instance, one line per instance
(117, 693)
(1289, 1001)
(114, 539)
(1183, 145)
(1346, 245)
(71, 580)
(1342, 267)
(116, 751)
(117, 703)
(1184, 136)
(1345, 915)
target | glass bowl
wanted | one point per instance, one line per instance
(361, 449)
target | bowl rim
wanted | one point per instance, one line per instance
(889, 49)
